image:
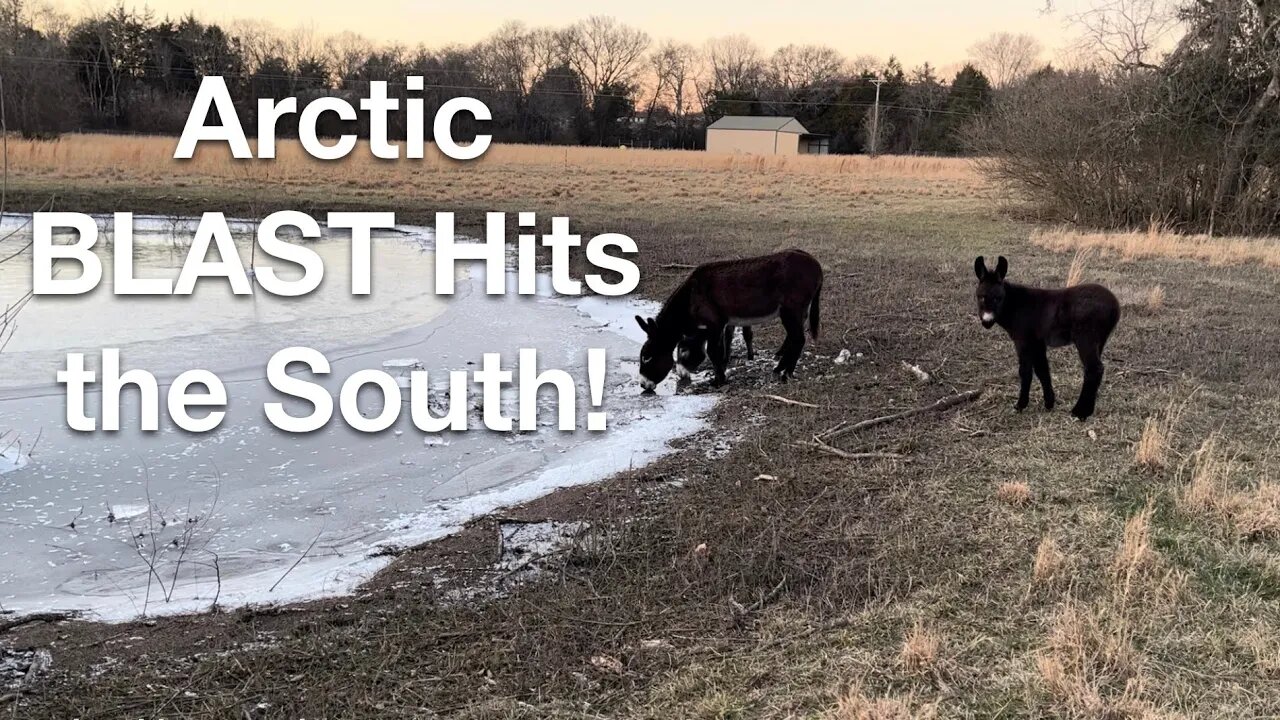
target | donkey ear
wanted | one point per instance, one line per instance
(643, 325)
(980, 267)
(1002, 267)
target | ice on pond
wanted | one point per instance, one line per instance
(401, 364)
(92, 519)
(13, 459)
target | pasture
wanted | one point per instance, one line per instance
(966, 562)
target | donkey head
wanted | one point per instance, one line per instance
(656, 355)
(990, 290)
(690, 354)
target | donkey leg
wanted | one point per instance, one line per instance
(1042, 371)
(727, 339)
(1026, 363)
(716, 351)
(1091, 358)
(747, 336)
(793, 323)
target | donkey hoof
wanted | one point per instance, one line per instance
(1081, 414)
(1049, 403)
(1019, 407)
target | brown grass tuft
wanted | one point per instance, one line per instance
(1258, 514)
(1152, 450)
(854, 704)
(1155, 299)
(1158, 242)
(1212, 494)
(1014, 493)
(1135, 556)
(1209, 491)
(1156, 443)
(1263, 644)
(1075, 273)
(920, 649)
(1049, 563)
(1090, 667)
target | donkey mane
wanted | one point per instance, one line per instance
(673, 319)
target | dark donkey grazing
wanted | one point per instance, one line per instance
(742, 292)
(1036, 318)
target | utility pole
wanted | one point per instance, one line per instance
(875, 119)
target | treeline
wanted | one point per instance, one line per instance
(1188, 140)
(596, 82)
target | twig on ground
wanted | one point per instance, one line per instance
(942, 404)
(788, 401)
(769, 597)
(820, 446)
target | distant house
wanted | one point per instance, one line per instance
(764, 136)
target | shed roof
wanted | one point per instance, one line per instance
(770, 123)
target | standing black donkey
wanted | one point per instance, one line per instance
(1040, 318)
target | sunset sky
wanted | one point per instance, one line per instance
(938, 31)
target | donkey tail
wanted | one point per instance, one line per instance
(814, 314)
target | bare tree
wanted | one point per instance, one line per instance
(736, 64)
(604, 52)
(257, 41)
(674, 67)
(1191, 141)
(799, 66)
(505, 59)
(1127, 33)
(345, 53)
(545, 52)
(862, 65)
(1006, 58)
(302, 47)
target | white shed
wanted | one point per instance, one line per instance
(766, 135)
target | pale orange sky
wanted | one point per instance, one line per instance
(938, 31)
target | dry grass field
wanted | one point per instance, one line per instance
(973, 563)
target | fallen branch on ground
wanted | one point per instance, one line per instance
(789, 401)
(820, 446)
(49, 617)
(942, 404)
(742, 612)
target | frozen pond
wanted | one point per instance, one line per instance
(121, 524)
(183, 332)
